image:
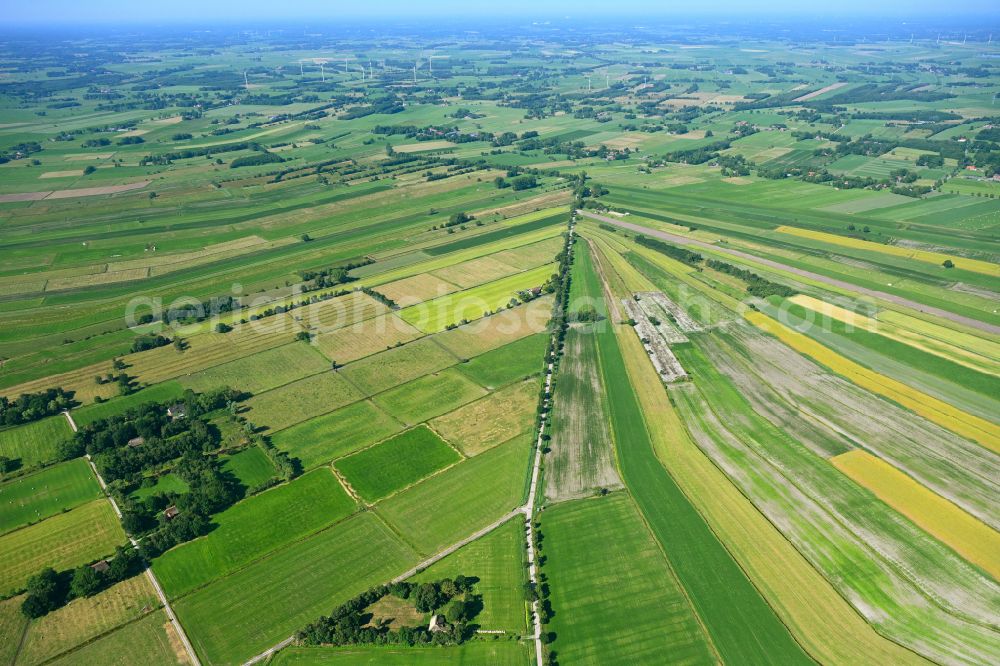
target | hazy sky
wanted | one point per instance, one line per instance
(188, 11)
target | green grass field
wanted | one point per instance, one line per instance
(86, 533)
(250, 530)
(251, 466)
(509, 363)
(31, 498)
(34, 443)
(301, 400)
(396, 463)
(239, 615)
(428, 396)
(442, 509)
(498, 561)
(739, 623)
(324, 438)
(165, 483)
(12, 626)
(613, 594)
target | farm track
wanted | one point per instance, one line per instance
(833, 282)
(192, 655)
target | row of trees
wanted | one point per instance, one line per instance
(29, 407)
(50, 589)
(350, 623)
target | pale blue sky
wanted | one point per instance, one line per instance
(193, 11)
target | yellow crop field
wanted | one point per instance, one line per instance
(945, 415)
(887, 329)
(970, 341)
(974, 265)
(968, 536)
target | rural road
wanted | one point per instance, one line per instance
(149, 571)
(874, 293)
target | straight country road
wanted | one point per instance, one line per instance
(833, 282)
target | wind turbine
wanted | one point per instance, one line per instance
(246, 81)
(430, 63)
(588, 77)
(322, 72)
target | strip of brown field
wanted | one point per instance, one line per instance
(70, 194)
(817, 93)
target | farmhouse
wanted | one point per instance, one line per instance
(136, 441)
(100, 566)
(437, 624)
(171, 512)
(176, 411)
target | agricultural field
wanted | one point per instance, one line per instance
(396, 463)
(553, 340)
(34, 497)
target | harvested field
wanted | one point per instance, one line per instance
(261, 371)
(66, 540)
(423, 146)
(70, 194)
(491, 420)
(150, 641)
(300, 400)
(365, 338)
(499, 329)
(13, 624)
(82, 620)
(335, 313)
(971, 538)
(583, 454)
(437, 314)
(324, 438)
(416, 289)
(821, 91)
(72, 173)
(475, 272)
(398, 365)
(207, 350)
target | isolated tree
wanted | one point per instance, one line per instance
(948, 263)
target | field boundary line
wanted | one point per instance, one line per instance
(877, 555)
(192, 655)
(834, 282)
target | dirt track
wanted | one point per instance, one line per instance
(833, 282)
